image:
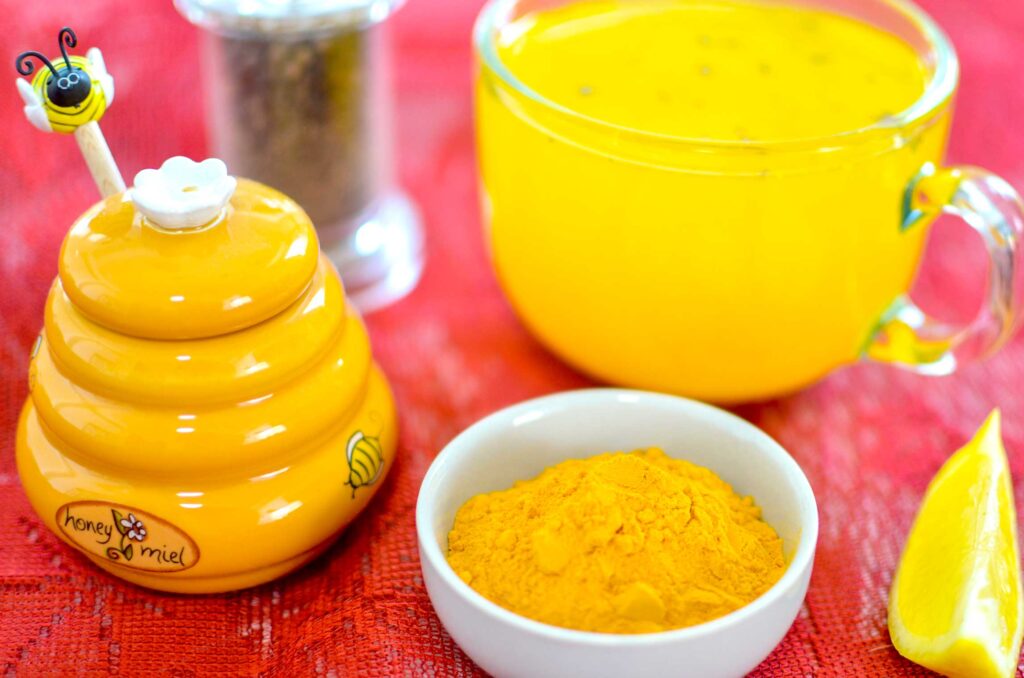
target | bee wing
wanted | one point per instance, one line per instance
(33, 106)
(28, 95)
(99, 72)
(352, 442)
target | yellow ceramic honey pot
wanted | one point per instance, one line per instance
(204, 410)
(205, 413)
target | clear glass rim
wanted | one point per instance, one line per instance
(276, 19)
(939, 89)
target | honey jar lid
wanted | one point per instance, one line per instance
(189, 252)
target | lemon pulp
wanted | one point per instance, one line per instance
(956, 605)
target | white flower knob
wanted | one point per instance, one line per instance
(182, 193)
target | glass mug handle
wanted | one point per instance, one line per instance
(906, 336)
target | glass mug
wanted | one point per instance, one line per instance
(735, 270)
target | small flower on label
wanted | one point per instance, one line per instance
(134, 527)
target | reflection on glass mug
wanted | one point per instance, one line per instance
(729, 199)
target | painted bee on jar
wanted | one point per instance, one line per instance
(365, 460)
(69, 93)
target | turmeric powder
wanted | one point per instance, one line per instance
(619, 543)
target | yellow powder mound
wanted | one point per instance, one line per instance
(619, 543)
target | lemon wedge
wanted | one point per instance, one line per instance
(955, 605)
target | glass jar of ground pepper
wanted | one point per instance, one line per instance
(297, 95)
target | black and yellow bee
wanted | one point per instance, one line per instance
(65, 96)
(365, 460)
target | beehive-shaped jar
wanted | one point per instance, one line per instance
(204, 410)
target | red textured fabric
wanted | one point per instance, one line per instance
(868, 437)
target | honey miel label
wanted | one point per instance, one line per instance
(127, 536)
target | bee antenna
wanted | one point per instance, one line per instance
(66, 38)
(26, 67)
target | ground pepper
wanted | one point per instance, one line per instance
(620, 543)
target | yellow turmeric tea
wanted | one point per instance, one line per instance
(735, 266)
(632, 542)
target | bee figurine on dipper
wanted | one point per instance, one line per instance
(70, 95)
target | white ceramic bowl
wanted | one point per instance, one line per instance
(523, 440)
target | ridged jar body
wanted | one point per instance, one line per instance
(204, 410)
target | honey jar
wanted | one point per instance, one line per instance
(204, 413)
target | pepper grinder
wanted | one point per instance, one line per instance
(298, 97)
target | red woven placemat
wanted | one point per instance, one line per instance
(869, 437)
